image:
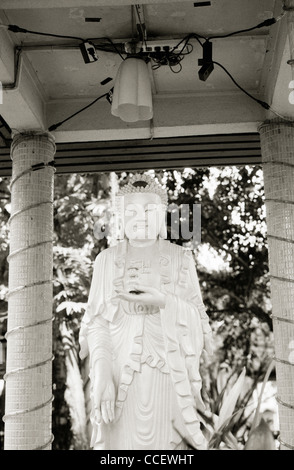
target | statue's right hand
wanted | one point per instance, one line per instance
(104, 394)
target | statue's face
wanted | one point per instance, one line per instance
(142, 215)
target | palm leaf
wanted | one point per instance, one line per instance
(230, 401)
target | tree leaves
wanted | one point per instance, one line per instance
(233, 224)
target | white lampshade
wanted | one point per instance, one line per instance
(132, 96)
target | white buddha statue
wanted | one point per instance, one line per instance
(144, 329)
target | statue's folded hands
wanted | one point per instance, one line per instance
(146, 295)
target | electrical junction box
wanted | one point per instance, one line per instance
(88, 51)
(157, 47)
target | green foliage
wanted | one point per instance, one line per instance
(261, 438)
(229, 395)
(75, 249)
(235, 284)
(220, 423)
(236, 292)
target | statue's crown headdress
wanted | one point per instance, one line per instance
(144, 184)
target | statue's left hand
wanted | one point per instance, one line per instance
(146, 295)
(104, 398)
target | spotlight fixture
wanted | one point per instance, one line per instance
(105, 81)
(88, 51)
(202, 4)
(206, 62)
(92, 20)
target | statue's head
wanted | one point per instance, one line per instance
(142, 208)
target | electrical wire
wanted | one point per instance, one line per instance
(172, 58)
(280, 116)
(262, 103)
(101, 47)
(142, 27)
(55, 126)
(285, 444)
(115, 48)
(16, 29)
(268, 22)
(168, 58)
(18, 57)
(187, 38)
(198, 37)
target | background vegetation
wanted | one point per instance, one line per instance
(232, 264)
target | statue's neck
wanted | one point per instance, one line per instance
(142, 243)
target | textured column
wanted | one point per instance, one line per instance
(277, 145)
(29, 333)
(289, 8)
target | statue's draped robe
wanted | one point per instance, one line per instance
(154, 354)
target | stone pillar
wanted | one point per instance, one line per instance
(277, 145)
(29, 334)
(289, 8)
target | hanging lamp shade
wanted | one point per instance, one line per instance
(132, 96)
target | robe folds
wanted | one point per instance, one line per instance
(154, 354)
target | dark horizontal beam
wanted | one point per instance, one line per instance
(173, 153)
(165, 151)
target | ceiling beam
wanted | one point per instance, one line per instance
(277, 74)
(173, 116)
(28, 4)
(23, 106)
(273, 60)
